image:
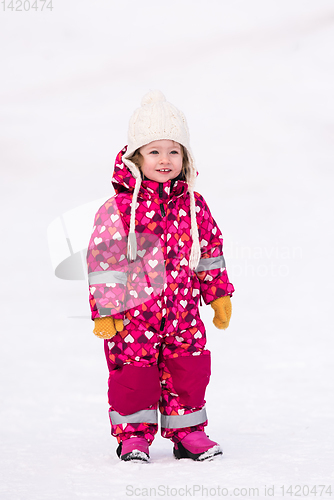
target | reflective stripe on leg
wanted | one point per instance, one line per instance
(147, 416)
(180, 421)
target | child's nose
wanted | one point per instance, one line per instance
(164, 158)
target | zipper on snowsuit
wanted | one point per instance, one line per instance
(162, 208)
(163, 213)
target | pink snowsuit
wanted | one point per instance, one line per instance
(159, 359)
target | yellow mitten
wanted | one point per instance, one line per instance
(223, 311)
(107, 327)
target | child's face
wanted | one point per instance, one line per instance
(162, 160)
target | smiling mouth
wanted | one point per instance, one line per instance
(164, 170)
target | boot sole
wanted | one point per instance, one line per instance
(210, 454)
(132, 456)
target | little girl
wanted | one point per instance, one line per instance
(154, 252)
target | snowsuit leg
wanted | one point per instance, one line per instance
(134, 387)
(184, 367)
(147, 369)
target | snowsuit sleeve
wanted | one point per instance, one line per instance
(211, 270)
(107, 263)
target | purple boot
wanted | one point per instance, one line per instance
(135, 449)
(197, 446)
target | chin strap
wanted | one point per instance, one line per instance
(195, 253)
(132, 241)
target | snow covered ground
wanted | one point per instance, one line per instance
(255, 80)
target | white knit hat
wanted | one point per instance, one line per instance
(156, 120)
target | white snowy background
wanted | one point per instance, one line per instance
(255, 80)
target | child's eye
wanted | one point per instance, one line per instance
(174, 152)
(154, 152)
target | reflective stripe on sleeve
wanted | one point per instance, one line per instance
(211, 263)
(101, 277)
(180, 421)
(146, 416)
